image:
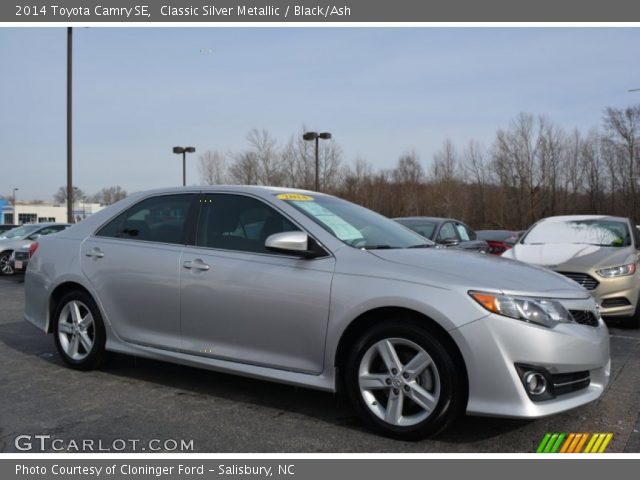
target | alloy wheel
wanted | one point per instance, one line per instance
(76, 330)
(5, 265)
(399, 381)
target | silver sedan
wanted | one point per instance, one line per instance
(307, 289)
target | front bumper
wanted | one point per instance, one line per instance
(620, 289)
(493, 345)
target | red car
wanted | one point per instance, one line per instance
(499, 241)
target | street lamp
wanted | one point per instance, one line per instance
(15, 215)
(184, 151)
(309, 136)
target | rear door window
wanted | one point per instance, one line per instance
(157, 219)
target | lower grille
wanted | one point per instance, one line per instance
(584, 317)
(587, 281)
(570, 382)
(615, 302)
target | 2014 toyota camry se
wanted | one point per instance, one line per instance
(308, 289)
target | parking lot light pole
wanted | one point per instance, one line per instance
(69, 125)
(15, 216)
(184, 151)
(309, 136)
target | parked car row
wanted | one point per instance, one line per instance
(307, 289)
(16, 244)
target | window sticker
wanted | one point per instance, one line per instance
(297, 197)
(341, 229)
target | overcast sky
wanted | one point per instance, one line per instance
(380, 91)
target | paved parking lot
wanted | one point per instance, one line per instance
(143, 400)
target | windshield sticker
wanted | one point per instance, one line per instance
(341, 229)
(297, 197)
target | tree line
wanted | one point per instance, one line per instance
(532, 169)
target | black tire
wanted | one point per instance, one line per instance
(96, 355)
(5, 266)
(634, 322)
(452, 399)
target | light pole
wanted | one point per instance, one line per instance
(184, 151)
(69, 124)
(15, 214)
(309, 136)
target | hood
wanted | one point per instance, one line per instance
(570, 255)
(456, 268)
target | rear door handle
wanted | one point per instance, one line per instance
(95, 253)
(197, 264)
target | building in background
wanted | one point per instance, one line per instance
(43, 212)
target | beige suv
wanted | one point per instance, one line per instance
(599, 252)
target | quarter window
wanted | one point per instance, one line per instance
(237, 222)
(157, 219)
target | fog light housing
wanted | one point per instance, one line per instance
(535, 383)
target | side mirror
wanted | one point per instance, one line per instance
(293, 243)
(449, 242)
(35, 236)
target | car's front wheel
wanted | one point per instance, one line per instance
(79, 331)
(402, 381)
(5, 264)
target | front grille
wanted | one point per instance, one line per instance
(587, 281)
(615, 302)
(584, 317)
(570, 382)
(22, 255)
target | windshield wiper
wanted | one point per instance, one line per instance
(422, 245)
(377, 247)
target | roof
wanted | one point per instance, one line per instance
(573, 218)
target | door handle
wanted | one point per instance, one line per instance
(197, 264)
(95, 253)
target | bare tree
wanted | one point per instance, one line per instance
(623, 127)
(212, 166)
(61, 195)
(109, 195)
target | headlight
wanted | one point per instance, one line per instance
(540, 311)
(620, 271)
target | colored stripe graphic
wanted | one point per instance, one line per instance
(574, 443)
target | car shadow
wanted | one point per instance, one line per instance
(200, 383)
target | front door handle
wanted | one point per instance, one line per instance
(95, 253)
(197, 264)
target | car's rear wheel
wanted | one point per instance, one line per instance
(79, 331)
(402, 381)
(5, 264)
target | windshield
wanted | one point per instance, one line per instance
(603, 233)
(20, 231)
(354, 225)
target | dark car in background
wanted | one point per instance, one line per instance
(499, 241)
(446, 232)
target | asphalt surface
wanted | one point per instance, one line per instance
(133, 401)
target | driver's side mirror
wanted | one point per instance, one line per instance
(293, 243)
(449, 242)
(35, 236)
